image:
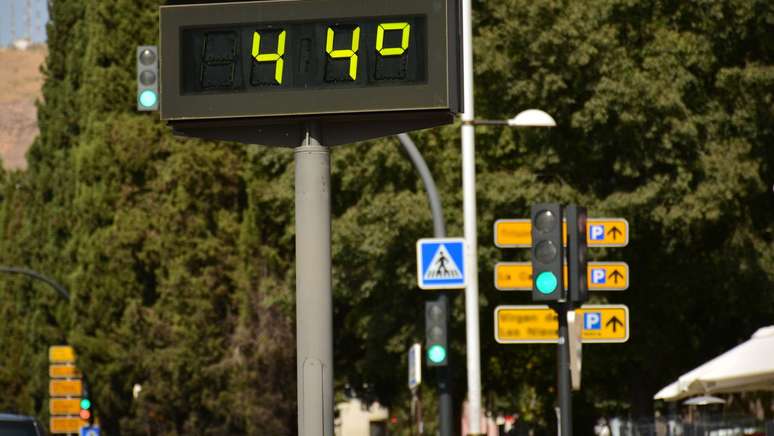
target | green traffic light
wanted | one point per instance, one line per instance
(546, 282)
(148, 98)
(436, 353)
(85, 403)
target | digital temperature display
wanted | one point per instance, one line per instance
(257, 71)
(269, 56)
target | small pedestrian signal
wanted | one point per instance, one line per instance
(441, 263)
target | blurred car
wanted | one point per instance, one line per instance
(19, 425)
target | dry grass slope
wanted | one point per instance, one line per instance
(20, 83)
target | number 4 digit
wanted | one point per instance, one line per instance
(345, 53)
(271, 57)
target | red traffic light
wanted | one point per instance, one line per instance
(85, 414)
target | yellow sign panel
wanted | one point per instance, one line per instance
(600, 232)
(64, 406)
(604, 323)
(539, 324)
(513, 233)
(63, 371)
(608, 276)
(526, 324)
(607, 232)
(61, 354)
(601, 276)
(514, 276)
(66, 424)
(65, 388)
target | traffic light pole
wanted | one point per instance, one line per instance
(563, 372)
(314, 299)
(445, 404)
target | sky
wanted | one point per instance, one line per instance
(22, 18)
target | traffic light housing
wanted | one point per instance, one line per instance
(86, 412)
(436, 318)
(547, 252)
(147, 78)
(577, 254)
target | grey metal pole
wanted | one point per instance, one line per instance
(314, 299)
(34, 274)
(563, 369)
(439, 226)
(445, 403)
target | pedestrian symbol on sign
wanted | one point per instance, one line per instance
(441, 263)
(592, 321)
(597, 232)
(442, 266)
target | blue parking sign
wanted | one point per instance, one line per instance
(592, 321)
(598, 276)
(597, 232)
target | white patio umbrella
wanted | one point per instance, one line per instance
(746, 367)
(703, 401)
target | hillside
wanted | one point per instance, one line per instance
(20, 82)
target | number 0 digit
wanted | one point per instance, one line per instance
(404, 40)
(351, 54)
(271, 57)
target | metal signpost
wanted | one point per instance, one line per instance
(310, 74)
(414, 380)
(552, 232)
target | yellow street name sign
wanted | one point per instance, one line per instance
(61, 354)
(526, 324)
(64, 406)
(63, 371)
(65, 388)
(600, 232)
(601, 276)
(61, 424)
(538, 324)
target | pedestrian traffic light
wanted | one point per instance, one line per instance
(147, 78)
(85, 409)
(86, 413)
(436, 316)
(576, 254)
(547, 252)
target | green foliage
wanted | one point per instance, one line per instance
(179, 253)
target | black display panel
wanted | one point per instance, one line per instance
(311, 55)
(257, 71)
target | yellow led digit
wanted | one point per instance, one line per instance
(271, 57)
(351, 54)
(404, 43)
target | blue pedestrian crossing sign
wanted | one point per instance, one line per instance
(441, 263)
(90, 431)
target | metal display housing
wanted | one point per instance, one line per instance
(344, 114)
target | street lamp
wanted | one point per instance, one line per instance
(527, 118)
